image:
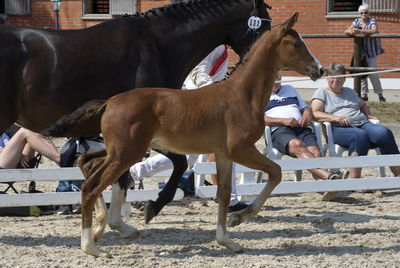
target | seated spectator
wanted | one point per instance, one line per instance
(289, 118)
(350, 116)
(18, 150)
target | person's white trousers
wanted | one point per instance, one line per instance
(159, 162)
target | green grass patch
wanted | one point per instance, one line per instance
(387, 112)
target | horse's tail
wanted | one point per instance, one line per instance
(84, 122)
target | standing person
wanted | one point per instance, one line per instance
(371, 49)
(289, 118)
(350, 117)
(18, 150)
(212, 68)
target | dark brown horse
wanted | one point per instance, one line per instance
(225, 118)
(46, 74)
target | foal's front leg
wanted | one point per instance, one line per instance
(224, 172)
(252, 158)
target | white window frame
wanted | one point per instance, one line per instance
(117, 7)
(339, 13)
(17, 7)
(379, 6)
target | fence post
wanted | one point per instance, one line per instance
(357, 63)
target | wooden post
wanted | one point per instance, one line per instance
(357, 63)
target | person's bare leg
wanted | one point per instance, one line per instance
(298, 149)
(214, 178)
(395, 170)
(354, 172)
(11, 154)
(43, 146)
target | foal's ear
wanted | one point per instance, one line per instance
(287, 25)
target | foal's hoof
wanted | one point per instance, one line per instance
(234, 220)
(232, 246)
(96, 252)
(148, 211)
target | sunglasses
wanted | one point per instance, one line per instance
(366, 12)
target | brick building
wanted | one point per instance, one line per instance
(316, 17)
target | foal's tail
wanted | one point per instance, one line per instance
(84, 122)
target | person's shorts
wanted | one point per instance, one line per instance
(282, 135)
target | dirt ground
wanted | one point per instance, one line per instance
(361, 230)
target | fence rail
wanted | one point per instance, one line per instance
(357, 50)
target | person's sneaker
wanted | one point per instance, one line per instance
(76, 209)
(329, 196)
(64, 210)
(237, 207)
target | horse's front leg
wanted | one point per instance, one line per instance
(166, 195)
(115, 220)
(224, 173)
(252, 158)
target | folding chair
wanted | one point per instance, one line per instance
(33, 163)
(273, 153)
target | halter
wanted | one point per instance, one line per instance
(254, 23)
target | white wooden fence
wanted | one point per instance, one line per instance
(247, 187)
(60, 198)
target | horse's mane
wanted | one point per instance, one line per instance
(246, 54)
(172, 8)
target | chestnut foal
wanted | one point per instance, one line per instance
(224, 118)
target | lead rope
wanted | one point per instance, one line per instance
(343, 75)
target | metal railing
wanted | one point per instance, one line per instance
(357, 51)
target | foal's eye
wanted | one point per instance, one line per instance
(297, 44)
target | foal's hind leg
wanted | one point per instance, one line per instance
(250, 157)
(87, 167)
(92, 188)
(224, 171)
(167, 194)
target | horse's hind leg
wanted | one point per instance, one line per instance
(224, 171)
(115, 222)
(167, 194)
(252, 158)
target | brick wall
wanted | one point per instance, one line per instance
(312, 21)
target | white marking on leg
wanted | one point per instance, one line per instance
(115, 219)
(101, 218)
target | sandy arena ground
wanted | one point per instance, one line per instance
(361, 230)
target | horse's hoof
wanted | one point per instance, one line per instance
(149, 212)
(234, 220)
(134, 235)
(236, 248)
